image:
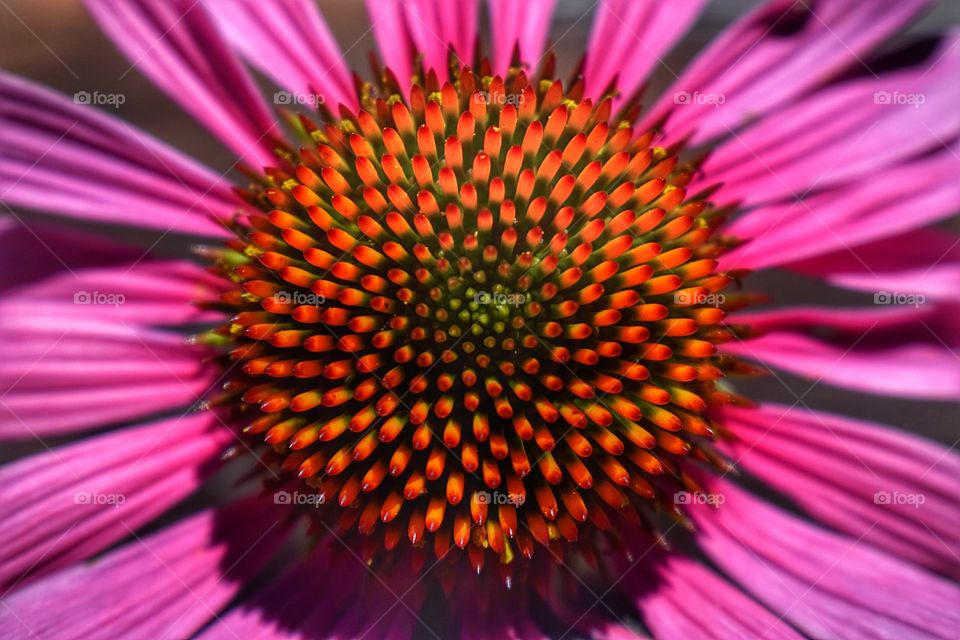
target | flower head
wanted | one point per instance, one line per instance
(467, 317)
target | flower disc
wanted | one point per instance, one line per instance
(482, 317)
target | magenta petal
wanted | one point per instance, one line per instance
(630, 38)
(855, 320)
(688, 600)
(826, 584)
(290, 42)
(66, 504)
(777, 52)
(176, 44)
(894, 201)
(925, 261)
(841, 134)
(58, 154)
(499, 618)
(913, 370)
(80, 354)
(51, 272)
(393, 39)
(409, 28)
(67, 375)
(891, 489)
(300, 604)
(437, 25)
(154, 292)
(168, 584)
(519, 24)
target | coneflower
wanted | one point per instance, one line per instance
(481, 325)
(480, 318)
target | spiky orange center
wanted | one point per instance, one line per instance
(485, 315)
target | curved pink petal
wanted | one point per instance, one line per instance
(894, 490)
(496, 617)
(779, 51)
(630, 37)
(63, 375)
(826, 584)
(924, 261)
(863, 326)
(519, 24)
(913, 370)
(300, 604)
(290, 42)
(157, 292)
(393, 39)
(49, 272)
(176, 44)
(841, 320)
(437, 25)
(168, 584)
(893, 201)
(841, 134)
(66, 504)
(57, 155)
(408, 28)
(685, 599)
(76, 312)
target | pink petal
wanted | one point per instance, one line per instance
(827, 584)
(64, 505)
(176, 44)
(57, 154)
(630, 37)
(879, 324)
(855, 320)
(290, 42)
(437, 25)
(683, 599)
(168, 584)
(497, 617)
(300, 604)
(893, 201)
(393, 39)
(51, 272)
(519, 24)
(841, 134)
(405, 28)
(62, 375)
(835, 468)
(777, 52)
(925, 261)
(915, 370)
(78, 354)
(158, 292)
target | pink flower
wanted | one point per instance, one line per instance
(463, 318)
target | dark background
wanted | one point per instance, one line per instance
(56, 43)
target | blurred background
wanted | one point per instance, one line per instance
(56, 43)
